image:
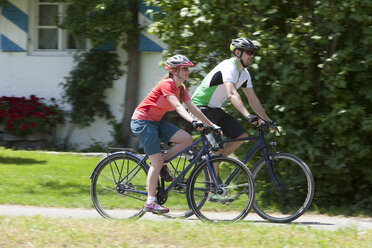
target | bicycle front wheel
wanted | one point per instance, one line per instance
(292, 197)
(234, 198)
(118, 186)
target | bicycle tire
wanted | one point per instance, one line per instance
(236, 199)
(290, 201)
(110, 197)
(177, 195)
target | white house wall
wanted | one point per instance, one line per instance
(24, 74)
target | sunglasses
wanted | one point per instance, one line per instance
(249, 52)
(185, 68)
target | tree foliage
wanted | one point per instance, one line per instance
(100, 21)
(85, 86)
(103, 22)
(312, 73)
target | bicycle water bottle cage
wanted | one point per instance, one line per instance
(214, 141)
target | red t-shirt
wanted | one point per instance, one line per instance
(155, 105)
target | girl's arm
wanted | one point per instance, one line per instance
(198, 113)
(173, 100)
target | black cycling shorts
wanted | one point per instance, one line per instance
(230, 126)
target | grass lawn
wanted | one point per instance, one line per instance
(49, 232)
(62, 180)
(45, 179)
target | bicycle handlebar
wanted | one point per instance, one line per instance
(214, 138)
(272, 124)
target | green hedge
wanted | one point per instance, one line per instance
(312, 74)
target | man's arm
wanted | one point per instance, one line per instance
(235, 98)
(255, 103)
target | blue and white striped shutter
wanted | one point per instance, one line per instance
(13, 37)
(148, 42)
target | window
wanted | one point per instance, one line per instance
(47, 36)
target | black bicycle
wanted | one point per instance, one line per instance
(118, 184)
(283, 182)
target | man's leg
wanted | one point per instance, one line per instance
(232, 146)
(233, 130)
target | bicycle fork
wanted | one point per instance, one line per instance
(271, 171)
(213, 175)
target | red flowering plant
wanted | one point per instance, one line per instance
(22, 116)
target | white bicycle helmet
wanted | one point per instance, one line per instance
(177, 61)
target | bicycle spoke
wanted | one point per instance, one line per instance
(177, 195)
(118, 187)
(294, 195)
(234, 199)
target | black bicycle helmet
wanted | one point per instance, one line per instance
(177, 61)
(242, 43)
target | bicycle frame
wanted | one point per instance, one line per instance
(259, 144)
(203, 151)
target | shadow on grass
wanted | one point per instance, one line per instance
(303, 223)
(63, 188)
(20, 161)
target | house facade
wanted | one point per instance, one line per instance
(36, 56)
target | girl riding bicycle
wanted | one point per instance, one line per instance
(148, 127)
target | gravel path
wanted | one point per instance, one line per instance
(307, 220)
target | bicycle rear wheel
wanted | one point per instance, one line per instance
(118, 186)
(232, 202)
(292, 198)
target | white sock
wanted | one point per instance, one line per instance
(150, 199)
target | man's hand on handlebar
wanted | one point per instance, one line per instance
(258, 121)
(273, 126)
(254, 120)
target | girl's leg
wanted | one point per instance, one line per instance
(152, 180)
(157, 162)
(181, 140)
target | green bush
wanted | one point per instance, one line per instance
(312, 73)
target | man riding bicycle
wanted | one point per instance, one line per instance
(221, 83)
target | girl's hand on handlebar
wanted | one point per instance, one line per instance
(198, 125)
(217, 129)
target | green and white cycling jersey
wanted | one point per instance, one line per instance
(212, 92)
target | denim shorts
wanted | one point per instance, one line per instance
(150, 133)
